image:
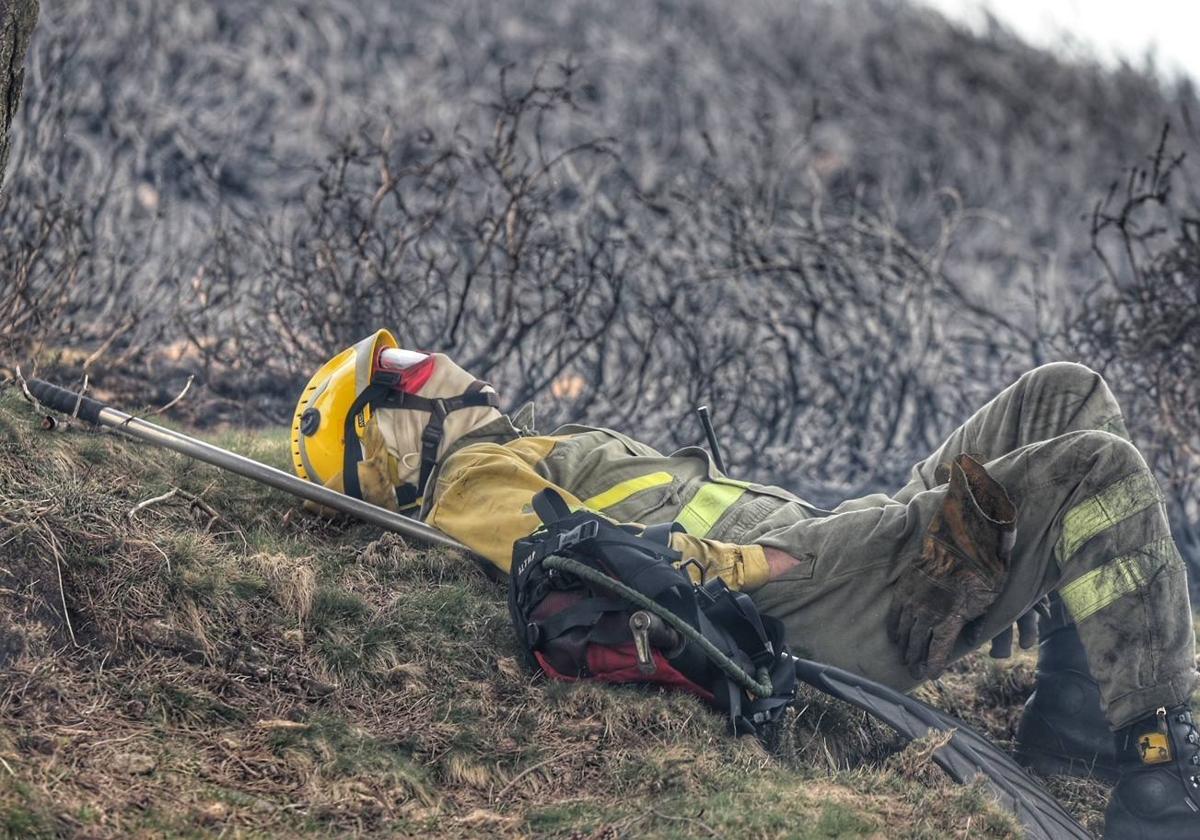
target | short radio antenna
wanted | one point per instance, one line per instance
(711, 435)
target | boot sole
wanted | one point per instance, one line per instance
(1053, 764)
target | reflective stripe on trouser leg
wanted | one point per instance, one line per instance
(1111, 577)
(1124, 584)
(1113, 505)
(1092, 592)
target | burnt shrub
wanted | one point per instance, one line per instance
(1142, 324)
(824, 339)
(844, 225)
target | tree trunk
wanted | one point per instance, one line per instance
(16, 23)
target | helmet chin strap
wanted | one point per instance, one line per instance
(381, 393)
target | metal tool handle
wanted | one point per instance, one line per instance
(61, 400)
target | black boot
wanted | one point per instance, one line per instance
(1158, 795)
(1063, 730)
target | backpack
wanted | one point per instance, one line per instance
(590, 599)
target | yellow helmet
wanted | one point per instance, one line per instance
(343, 402)
(319, 425)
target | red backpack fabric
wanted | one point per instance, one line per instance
(593, 600)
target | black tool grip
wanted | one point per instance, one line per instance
(64, 401)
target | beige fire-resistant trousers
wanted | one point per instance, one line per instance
(1091, 525)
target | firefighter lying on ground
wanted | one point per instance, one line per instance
(1039, 493)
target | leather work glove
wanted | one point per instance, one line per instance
(960, 572)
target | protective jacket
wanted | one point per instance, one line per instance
(482, 490)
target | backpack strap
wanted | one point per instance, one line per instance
(584, 614)
(550, 506)
(382, 393)
(662, 532)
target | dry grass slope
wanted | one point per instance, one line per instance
(216, 663)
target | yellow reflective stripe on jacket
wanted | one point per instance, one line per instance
(1115, 503)
(700, 514)
(620, 492)
(1095, 590)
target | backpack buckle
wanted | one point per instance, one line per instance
(431, 435)
(764, 657)
(582, 532)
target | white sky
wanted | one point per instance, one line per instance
(1111, 28)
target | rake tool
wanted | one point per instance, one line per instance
(95, 412)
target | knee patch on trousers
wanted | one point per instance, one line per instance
(1117, 503)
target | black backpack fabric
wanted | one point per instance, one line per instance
(573, 624)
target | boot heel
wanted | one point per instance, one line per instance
(1049, 764)
(1062, 730)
